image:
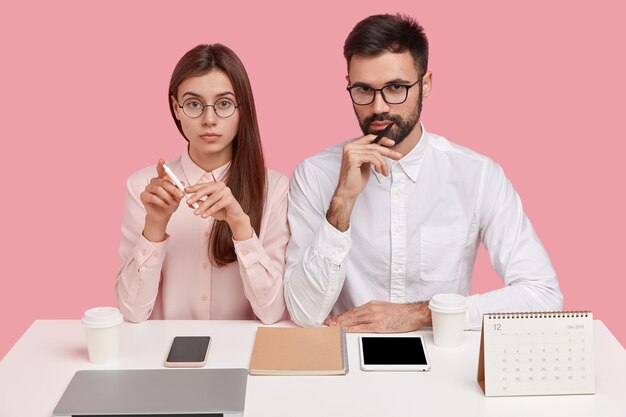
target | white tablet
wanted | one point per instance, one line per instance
(393, 353)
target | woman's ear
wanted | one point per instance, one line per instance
(175, 107)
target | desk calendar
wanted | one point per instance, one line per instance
(548, 353)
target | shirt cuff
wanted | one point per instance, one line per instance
(473, 319)
(332, 244)
(248, 251)
(152, 252)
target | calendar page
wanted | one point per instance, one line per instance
(548, 353)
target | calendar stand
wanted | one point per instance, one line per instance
(546, 353)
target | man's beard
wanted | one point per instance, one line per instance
(402, 127)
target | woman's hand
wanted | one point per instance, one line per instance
(161, 199)
(216, 200)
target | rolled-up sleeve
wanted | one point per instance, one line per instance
(316, 267)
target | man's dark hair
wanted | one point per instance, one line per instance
(381, 33)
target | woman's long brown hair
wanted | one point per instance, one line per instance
(246, 175)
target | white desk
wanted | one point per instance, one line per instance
(34, 374)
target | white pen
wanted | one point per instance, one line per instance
(177, 183)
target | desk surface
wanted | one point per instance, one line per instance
(34, 374)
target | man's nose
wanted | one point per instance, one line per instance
(379, 105)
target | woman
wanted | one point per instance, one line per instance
(225, 259)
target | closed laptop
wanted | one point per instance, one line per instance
(158, 392)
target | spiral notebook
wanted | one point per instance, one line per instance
(549, 353)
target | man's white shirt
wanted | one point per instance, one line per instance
(412, 235)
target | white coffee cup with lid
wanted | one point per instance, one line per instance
(448, 314)
(102, 328)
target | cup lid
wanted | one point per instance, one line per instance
(101, 317)
(448, 303)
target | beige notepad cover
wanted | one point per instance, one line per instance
(299, 351)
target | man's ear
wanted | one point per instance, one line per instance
(427, 84)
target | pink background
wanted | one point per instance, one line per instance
(538, 86)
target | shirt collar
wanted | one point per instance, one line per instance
(410, 162)
(194, 174)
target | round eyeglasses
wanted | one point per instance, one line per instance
(363, 95)
(194, 107)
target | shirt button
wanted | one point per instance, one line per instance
(205, 297)
(207, 234)
(155, 254)
(144, 252)
(205, 265)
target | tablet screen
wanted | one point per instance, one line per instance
(393, 351)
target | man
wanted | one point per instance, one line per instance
(379, 228)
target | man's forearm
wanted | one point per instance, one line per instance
(422, 313)
(339, 212)
(384, 317)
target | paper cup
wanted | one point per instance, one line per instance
(102, 328)
(448, 314)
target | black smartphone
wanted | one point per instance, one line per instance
(188, 352)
